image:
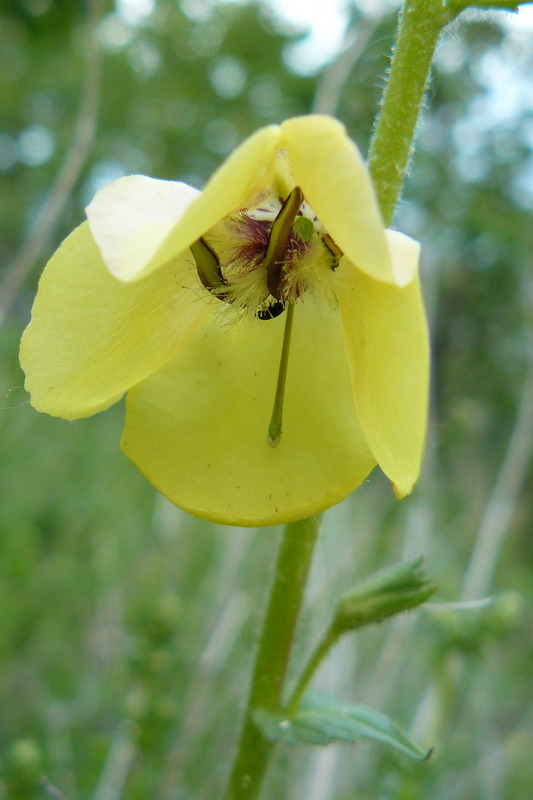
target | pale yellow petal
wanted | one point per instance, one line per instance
(330, 170)
(404, 253)
(247, 173)
(198, 428)
(387, 342)
(130, 219)
(91, 336)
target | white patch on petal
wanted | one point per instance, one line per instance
(131, 217)
(404, 253)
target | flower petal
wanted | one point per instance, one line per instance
(130, 219)
(387, 341)
(330, 170)
(91, 337)
(241, 178)
(198, 428)
(404, 253)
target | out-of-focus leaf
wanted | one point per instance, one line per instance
(325, 720)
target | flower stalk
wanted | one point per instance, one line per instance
(272, 658)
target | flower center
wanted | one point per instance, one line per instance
(260, 259)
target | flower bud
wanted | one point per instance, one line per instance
(384, 594)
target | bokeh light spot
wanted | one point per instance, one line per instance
(220, 136)
(228, 77)
(35, 145)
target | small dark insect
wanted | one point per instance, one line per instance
(272, 311)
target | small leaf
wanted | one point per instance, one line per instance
(322, 721)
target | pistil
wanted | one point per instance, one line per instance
(274, 429)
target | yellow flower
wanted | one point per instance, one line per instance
(185, 299)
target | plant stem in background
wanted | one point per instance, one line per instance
(332, 81)
(421, 22)
(70, 170)
(503, 499)
(272, 658)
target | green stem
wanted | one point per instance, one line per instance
(419, 29)
(272, 658)
(318, 655)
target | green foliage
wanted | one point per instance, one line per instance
(23, 769)
(470, 628)
(324, 720)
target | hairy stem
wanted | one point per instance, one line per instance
(420, 24)
(318, 655)
(272, 658)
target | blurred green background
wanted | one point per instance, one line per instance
(125, 625)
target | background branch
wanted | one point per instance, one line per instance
(334, 78)
(75, 158)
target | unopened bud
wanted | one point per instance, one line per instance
(383, 595)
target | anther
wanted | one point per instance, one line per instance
(333, 248)
(279, 240)
(208, 268)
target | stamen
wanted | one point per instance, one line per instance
(274, 428)
(279, 240)
(334, 249)
(208, 268)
